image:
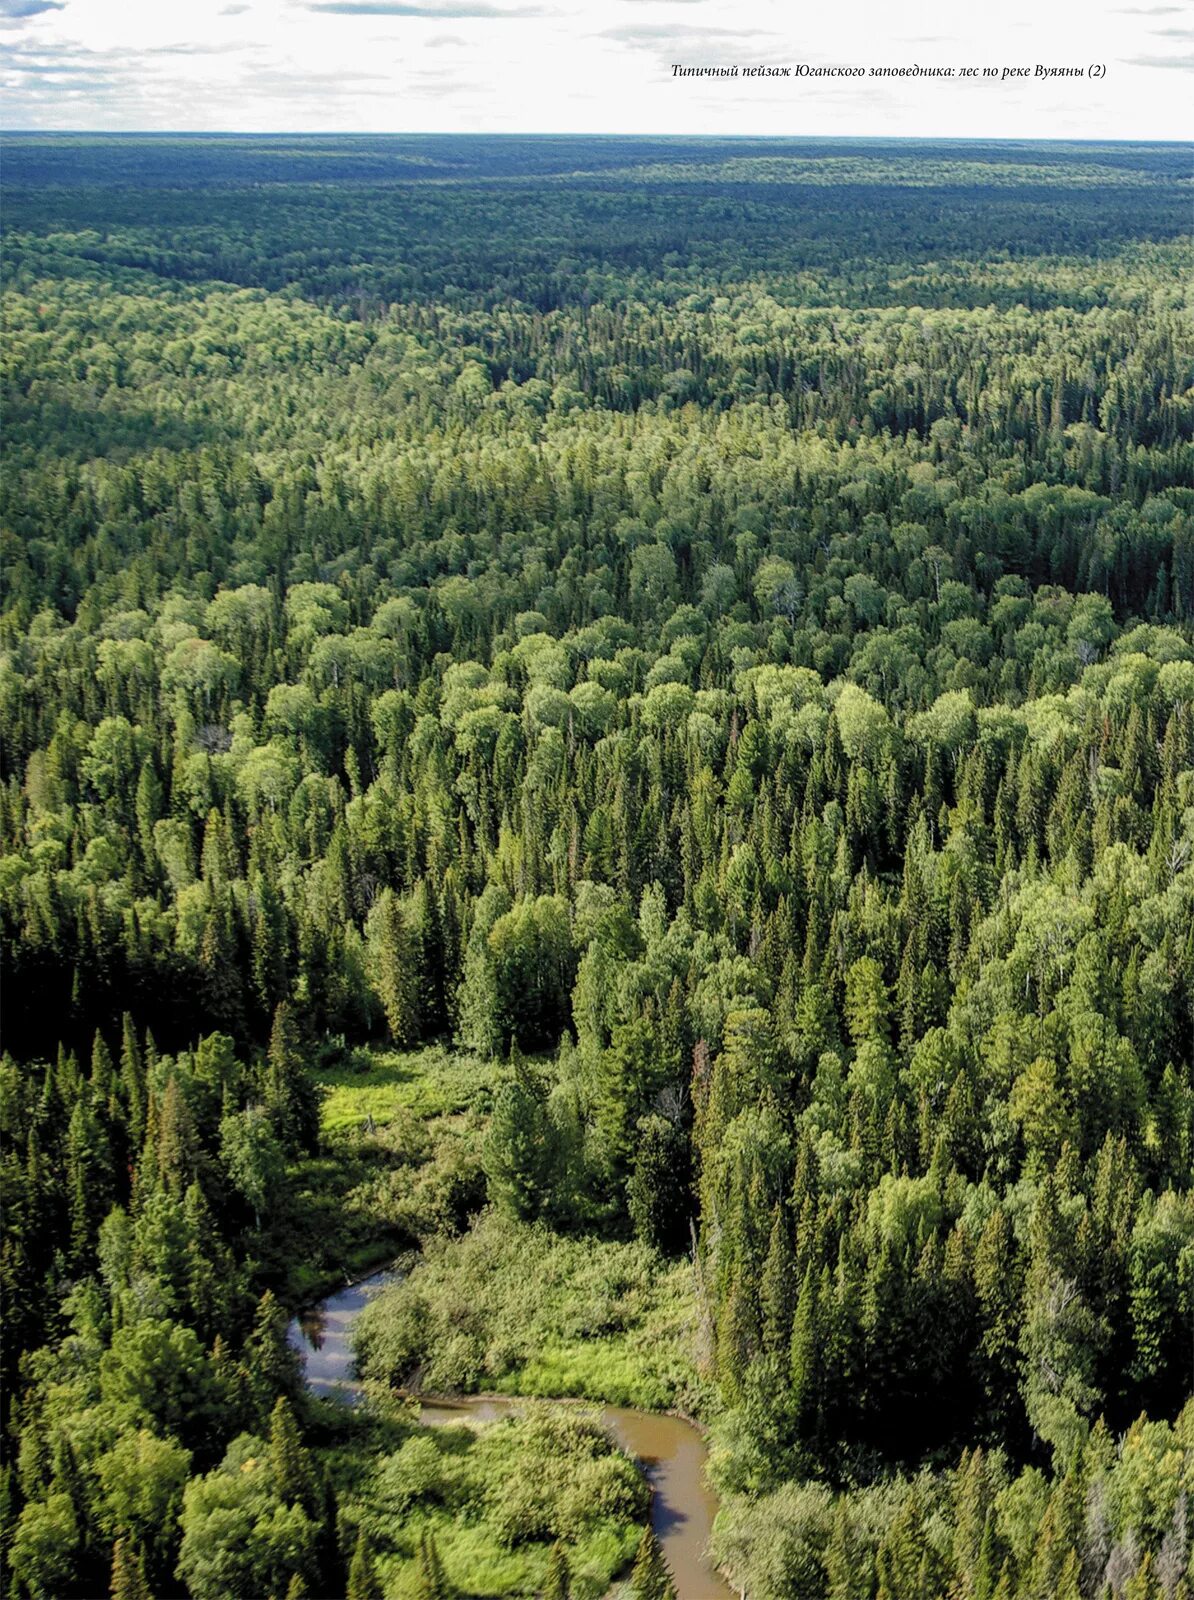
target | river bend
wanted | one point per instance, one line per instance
(671, 1450)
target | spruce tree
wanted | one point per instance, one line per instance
(291, 1096)
(650, 1579)
(271, 1365)
(430, 1582)
(363, 1582)
(398, 973)
(805, 1353)
(294, 1476)
(557, 1585)
(778, 1287)
(128, 1573)
(132, 1081)
(519, 1149)
(178, 1140)
(847, 1574)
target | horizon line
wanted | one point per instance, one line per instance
(572, 133)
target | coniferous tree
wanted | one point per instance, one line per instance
(363, 1582)
(519, 1151)
(786, 732)
(291, 1097)
(128, 1573)
(398, 974)
(430, 1582)
(293, 1473)
(779, 1288)
(270, 1364)
(658, 1192)
(557, 1585)
(650, 1579)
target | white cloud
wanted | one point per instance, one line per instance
(588, 66)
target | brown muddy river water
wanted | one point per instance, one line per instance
(671, 1450)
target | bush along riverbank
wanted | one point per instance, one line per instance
(493, 1302)
(519, 1310)
(670, 1450)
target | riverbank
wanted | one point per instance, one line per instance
(672, 1452)
(503, 1322)
(359, 1267)
(512, 1308)
(670, 1448)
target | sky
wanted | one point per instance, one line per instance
(595, 66)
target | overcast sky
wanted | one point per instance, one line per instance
(592, 66)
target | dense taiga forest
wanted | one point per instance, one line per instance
(613, 718)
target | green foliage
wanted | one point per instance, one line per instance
(252, 1157)
(717, 616)
(386, 1086)
(524, 1311)
(968, 1530)
(659, 1191)
(363, 1583)
(519, 1154)
(240, 1536)
(397, 980)
(537, 1495)
(650, 1579)
(557, 1584)
(128, 1574)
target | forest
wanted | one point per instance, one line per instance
(612, 720)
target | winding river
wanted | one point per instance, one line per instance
(671, 1450)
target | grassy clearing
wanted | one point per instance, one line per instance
(495, 1305)
(401, 1161)
(384, 1084)
(520, 1310)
